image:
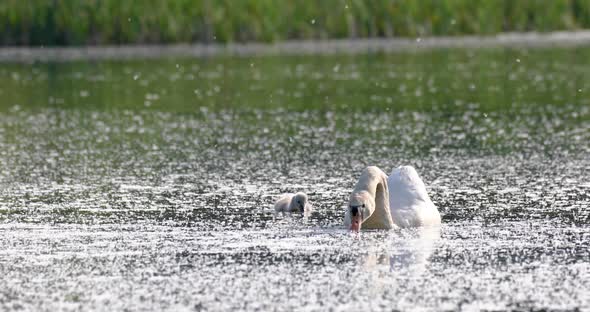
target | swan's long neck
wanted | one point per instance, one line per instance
(373, 182)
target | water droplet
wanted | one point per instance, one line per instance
(517, 60)
(313, 21)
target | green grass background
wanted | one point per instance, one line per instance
(82, 22)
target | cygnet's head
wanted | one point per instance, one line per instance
(298, 202)
(360, 210)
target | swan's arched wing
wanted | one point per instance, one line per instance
(408, 200)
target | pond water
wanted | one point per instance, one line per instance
(148, 185)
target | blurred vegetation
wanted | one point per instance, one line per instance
(79, 22)
(448, 81)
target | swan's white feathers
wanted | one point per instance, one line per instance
(398, 200)
(371, 191)
(408, 200)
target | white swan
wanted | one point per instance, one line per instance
(409, 202)
(379, 202)
(369, 202)
(293, 203)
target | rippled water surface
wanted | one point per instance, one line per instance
(148, 185)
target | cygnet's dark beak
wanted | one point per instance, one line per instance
(301, 207)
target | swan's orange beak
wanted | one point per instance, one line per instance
(355, 225)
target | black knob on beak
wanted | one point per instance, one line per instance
(354, 210)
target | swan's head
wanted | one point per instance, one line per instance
(360, 207)
(299, 202)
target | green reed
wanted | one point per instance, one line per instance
(69, 22)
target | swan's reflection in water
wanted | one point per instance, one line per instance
(406, 251)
